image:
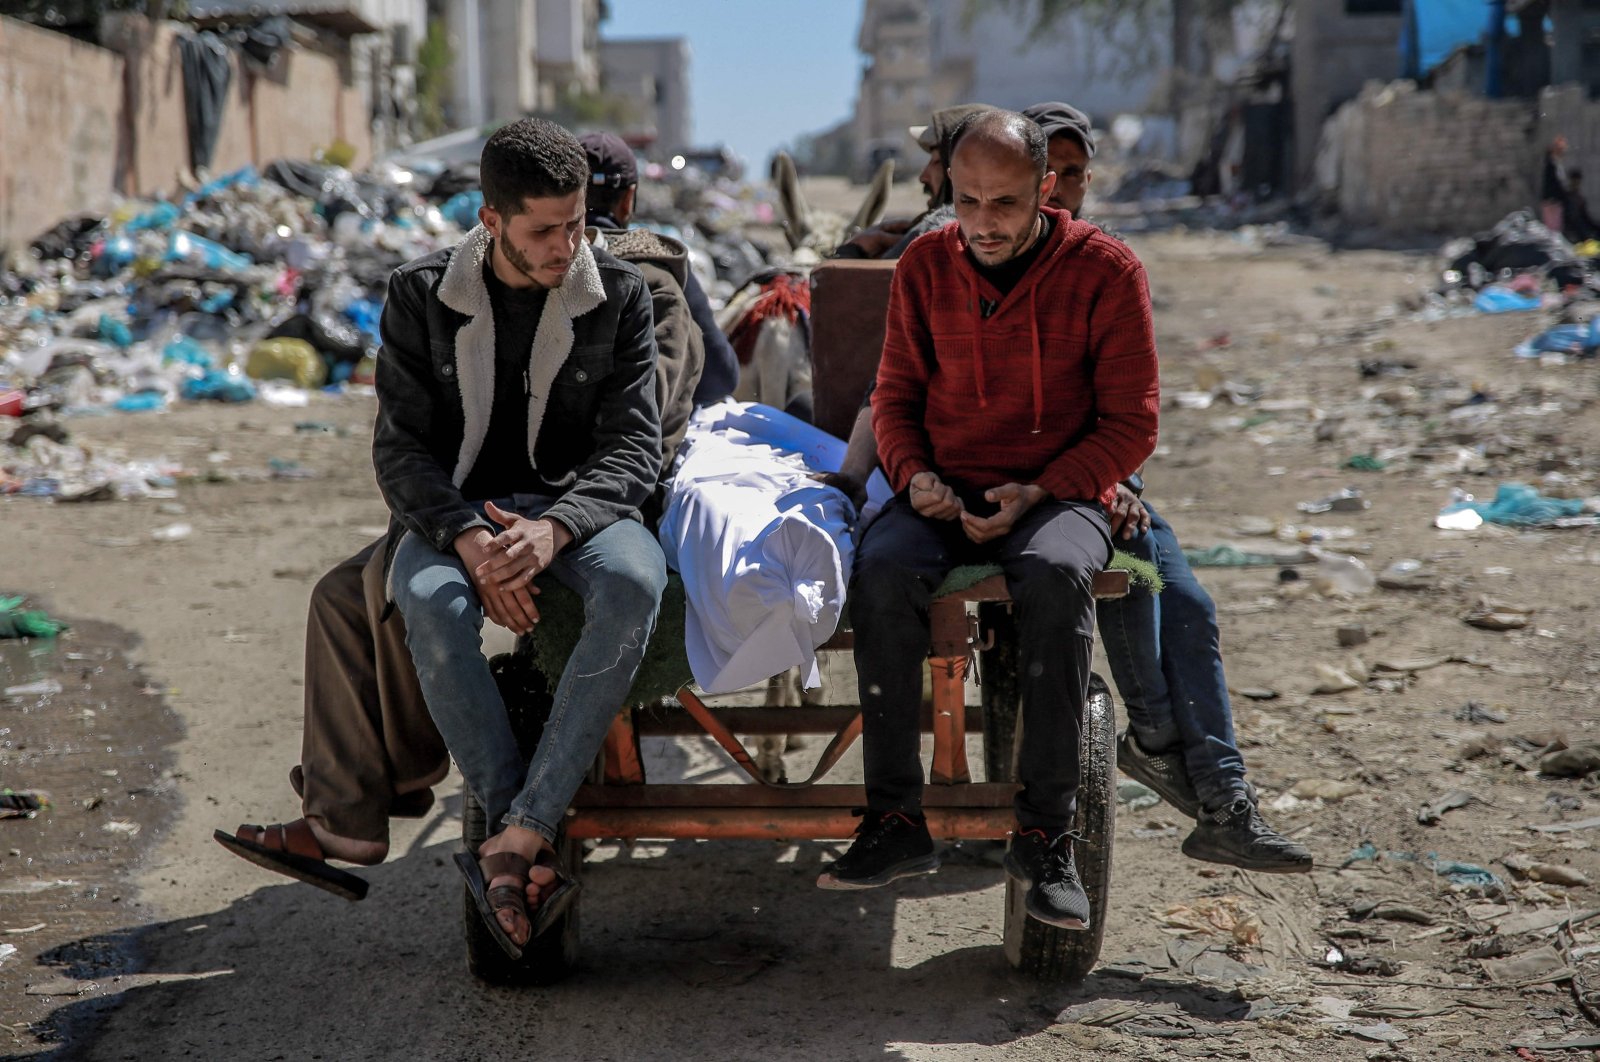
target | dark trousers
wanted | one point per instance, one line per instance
(1050, 559)
(368, 735)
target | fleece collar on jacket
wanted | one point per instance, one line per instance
(1065, 237)
(464, 291)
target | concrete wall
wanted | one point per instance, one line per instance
(59, 145)
(1406, 161)
(80, 125)
(1334, 55)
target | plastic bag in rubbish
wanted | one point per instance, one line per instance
(294, 360)
(1514, 505)
(197, 250)
(218, 386)
(1339, 574)
(1499, 299)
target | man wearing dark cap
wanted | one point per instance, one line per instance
(613, 190)
(1070, 136)
(1164, 649)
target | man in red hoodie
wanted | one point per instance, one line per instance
(1018, 386)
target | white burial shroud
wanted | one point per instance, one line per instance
(764, 550)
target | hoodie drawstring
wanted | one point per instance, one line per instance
(975, 304)
(1038, 362)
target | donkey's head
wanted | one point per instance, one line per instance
(815, 234)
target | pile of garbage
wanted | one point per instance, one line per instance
(256, 276)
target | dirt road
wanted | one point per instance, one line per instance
(725, 950)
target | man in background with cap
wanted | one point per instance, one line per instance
(889, 239)
(1164, 649)
(613, 193)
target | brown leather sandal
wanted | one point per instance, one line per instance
(292, 849)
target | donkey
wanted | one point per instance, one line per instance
(769, 323)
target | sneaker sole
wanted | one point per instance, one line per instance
(1035, 912)
(910, 869)
(1189, 806)
(1059, 921)
(1207, 854)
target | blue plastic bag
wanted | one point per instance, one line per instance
(1498, 299)
(197, 250)
(218, 386)
(1519, 505)
(462, 208)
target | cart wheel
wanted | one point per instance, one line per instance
(1046, 952)
(546, 958)
(1002, 698)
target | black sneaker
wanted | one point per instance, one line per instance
(1236, 835)
(1044, 864)
(1162, 771)
(888, 845)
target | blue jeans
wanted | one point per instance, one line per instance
(620, 574)
(1166, 659)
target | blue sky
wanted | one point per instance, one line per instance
(761, 72)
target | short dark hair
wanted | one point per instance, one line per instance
(532, 158)
(604, 199)
(1005, 129)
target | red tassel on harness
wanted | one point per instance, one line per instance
(784, 295)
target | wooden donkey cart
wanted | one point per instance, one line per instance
(970, 620)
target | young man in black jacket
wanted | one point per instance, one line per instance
(517, 434)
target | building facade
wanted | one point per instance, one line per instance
(651, 75)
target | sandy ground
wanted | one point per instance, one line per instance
(725, 950)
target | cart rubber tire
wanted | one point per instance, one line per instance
(547, 958)
(1049, 953)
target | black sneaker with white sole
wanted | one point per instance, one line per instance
(888, 845)
(1237, 836)
(1162, 771)
(1044, 863)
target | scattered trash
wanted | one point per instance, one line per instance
(1433, 811)
(1340, 575)
(1532, 965)
(1473, 712)
(1514, 505)
(1333, 680)
(123, 827)
(1552, 873)
(1136, 796)
(1226, 556)
(16, 623)
(23, 803)
(1576, 762)
(1351, 635)
(1574, 340)
(1567, 827)
(1498, 298)
(172, 532)
(1382, 1033)
(1364, 463)
(1468, 874)
(1498, 618)
(1214, 915)
(1391, 911)
(1348, 500)
(7, 951)
(41, 688)
(1406, 575)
